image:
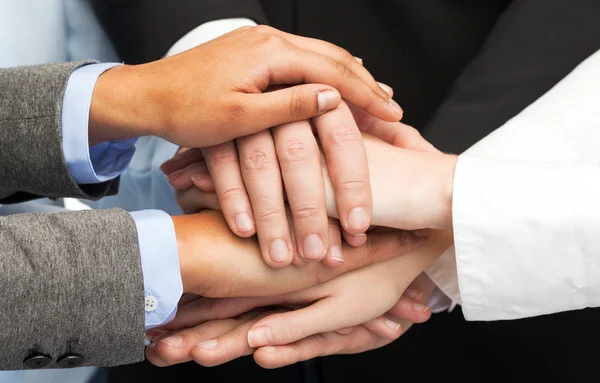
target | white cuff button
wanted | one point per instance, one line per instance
(151, 303)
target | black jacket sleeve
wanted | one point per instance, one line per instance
(144, 30)
(534, 45)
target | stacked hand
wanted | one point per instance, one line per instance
(357, 311)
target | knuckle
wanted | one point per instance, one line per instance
(343, 70)
(345, 136)
(354, 187)
(222, 155)
(308, 210)
(258, 159)
(231, 194)
(299, 104)
(293, 329)
(263, 29)
(345, 56)
(271, 216)
(298, 150)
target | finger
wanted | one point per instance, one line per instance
(223, 163)
(175, 348)
(300, 67)
(355, 240)
(348, 168)
(394, 133)
(207, 309)
(188, 298)
(298, 261)
(411, 310)
(387, 327)
(380, 246)
(193, 200)
(386, 88)
(262, 178)
(203, 181)
(227, 347)
(182, 179)
(335, 52)
(184, 158)
(300, 164)
(358, 340)
(335, 256)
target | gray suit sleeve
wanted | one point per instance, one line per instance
(71, 284)
(32, 163)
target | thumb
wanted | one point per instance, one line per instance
(295, 103)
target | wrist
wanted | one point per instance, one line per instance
(182, 234)
(120, 105)
(444, 191)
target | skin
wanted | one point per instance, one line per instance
(365, 309)
(336, 187)
(218, 91)
(216, 263)
(431, 178)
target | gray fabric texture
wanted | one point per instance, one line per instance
(71, 283)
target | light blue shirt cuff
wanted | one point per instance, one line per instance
(101, 162)
(163, 287)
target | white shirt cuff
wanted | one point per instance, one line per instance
(526, 237)
(206, 32)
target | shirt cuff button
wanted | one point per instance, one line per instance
(151, 303)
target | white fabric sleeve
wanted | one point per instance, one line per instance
(207, 32)
(562, 126)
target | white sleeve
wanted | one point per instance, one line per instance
(526, 209)
(206, 32)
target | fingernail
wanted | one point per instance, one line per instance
(209, 344)
(358, 219)
(360, 61)
(336, 253)
(173, 341)
(279, 251)
(260, 336)
(313, 247)
(243, 222)
(327, 100)
(419, 307)
(386, 88)
(413, 294)
(173, 176)
(269, 349)
(393, 325)
(394, 105)
(422, 233)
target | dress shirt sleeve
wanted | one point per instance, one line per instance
(101, 162)
(526, 237)
(207, 32)
(525, 209)
(160, 266)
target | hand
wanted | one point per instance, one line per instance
(216, 263)
(216, 91)
(249, 184)
(427, 203)
(217, 341)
